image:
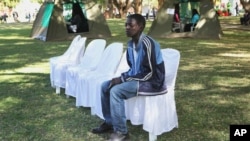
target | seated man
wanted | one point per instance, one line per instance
(145, 77)
(194, 20)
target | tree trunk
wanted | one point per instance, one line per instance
(245, 5)
(160, 3)
(138, 6)
(111, 9)
(122, 6)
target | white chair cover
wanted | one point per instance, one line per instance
(96, 86)
(89, 62)
(59, 68)
(106, 67)
(54, 60)
(157, 113)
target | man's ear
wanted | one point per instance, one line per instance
(141, 27)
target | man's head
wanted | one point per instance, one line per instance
(134, 25)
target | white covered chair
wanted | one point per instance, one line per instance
(95, 87)
(58, 68)
(67, 53)
(107, 66)
(89, 62)
(56, 59)
(157, 114)
(177, 27)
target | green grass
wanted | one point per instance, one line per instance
(212, 88)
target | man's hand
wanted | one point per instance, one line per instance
(115, 81)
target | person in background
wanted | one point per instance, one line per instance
(237, 9)
(15, 16)
(145, 76)
(78, 23)
(194, 20)
(245, 19)
(4, 17)
(229, 7)
(177, 13)
(154, 12)
(176, 26)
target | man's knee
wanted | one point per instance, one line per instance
(115, 92)
(104, 86)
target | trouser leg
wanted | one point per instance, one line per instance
(106, 102)
(118, 94)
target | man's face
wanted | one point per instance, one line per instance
(132, 28)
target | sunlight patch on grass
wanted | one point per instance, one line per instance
(8, 102)
(211, 43)
(216, 45)
(40, 67)
(219, 99)
(195, 86)
(232, 82)
(24, 43)
(197, 66)
(245, 55)
(13, 37)
(11, 59)
(35, 68)
(20, 74)
(218, 134)
(11, 78)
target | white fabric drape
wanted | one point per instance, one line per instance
(89, 62)
(106, 67)
(59, 68)
(96, 86)
(55, 60)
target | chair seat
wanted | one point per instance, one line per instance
(177, 27)
(157, 114)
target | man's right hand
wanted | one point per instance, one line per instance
(115, 81)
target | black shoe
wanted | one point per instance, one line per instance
(103, 128)
(118, 136)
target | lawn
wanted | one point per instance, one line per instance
(212, 87)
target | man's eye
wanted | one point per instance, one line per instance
(128, 25)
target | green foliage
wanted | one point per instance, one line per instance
(212, 87)
(13, 3)
(189, 0)
(10, 3)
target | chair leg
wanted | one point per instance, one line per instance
(57, 90)
(92, 110)
(191, 29)
(152, 137)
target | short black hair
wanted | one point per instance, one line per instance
(139, 19)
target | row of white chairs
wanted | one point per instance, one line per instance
(82, 78)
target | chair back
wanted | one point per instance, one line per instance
(72, 45)
(77, 51)
(123, 65)
(171, 59)
(93, 54)
(111, 58)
